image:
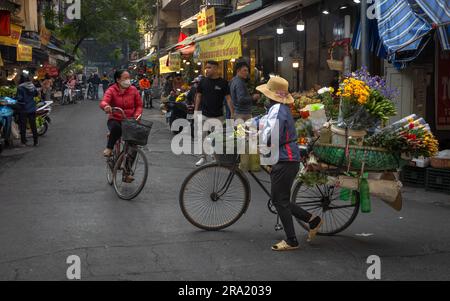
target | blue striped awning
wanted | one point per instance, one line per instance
(375, 44)
(403, 32)
(437, 13)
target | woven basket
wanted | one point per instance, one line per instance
(440, 163)
(375, 159)
(335, 64)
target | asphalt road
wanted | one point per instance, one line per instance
(55, 202)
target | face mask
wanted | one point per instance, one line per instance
(125, 83)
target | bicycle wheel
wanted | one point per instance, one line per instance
(213, 197)
(324, 201)
(110, 168)
(126, 166)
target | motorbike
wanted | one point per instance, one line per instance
(175, 110)
(43, 116)
(69, 95)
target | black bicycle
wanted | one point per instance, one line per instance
(127, 167)
(216, 195)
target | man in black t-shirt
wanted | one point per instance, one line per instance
(211, 92)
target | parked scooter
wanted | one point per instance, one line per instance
(6, 113)
(43, 116)
(69, 95)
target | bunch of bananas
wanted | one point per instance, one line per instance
(380, 107)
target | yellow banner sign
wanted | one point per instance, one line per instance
(175, 61)
(24, 53)
(221, 48)
(13, 38)
(206, 21)
(165, 66)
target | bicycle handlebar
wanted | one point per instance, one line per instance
(120, 110)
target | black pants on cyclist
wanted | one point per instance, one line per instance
(115, 132)
(282, 176)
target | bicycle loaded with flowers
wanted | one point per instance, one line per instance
(357, 138)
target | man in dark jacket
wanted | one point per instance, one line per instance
(27, 108)
(242, 100)
(96, 82)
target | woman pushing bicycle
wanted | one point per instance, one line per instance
(284, 172)
(122, 95)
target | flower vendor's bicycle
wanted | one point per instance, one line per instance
(216, 195)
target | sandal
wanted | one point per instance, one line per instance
(313, 232)
(283, 246)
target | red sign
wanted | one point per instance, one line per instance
(442, 90)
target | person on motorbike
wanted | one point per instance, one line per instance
(125, 96)
(145, 84)
(47, 84)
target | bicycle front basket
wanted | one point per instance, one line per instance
(136, 132)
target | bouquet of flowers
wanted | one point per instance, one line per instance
(365, 101)
(410, 136)
(331, 103)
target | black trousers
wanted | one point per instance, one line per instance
(282, 176)
(31, 117)
(115, 132)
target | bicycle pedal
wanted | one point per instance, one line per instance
(278, 227)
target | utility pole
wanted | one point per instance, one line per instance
(157, 36)
(157, 27)
(364, 35)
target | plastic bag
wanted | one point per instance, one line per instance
(15, 132)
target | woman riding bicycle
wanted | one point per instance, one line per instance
(122, 95)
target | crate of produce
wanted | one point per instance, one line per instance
(438, 180)
(413, 176)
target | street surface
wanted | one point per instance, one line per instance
(55, 202)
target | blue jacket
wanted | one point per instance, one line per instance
(242, 100)
(287, 134)
(25, 97)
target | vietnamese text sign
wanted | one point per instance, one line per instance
(442, 90)
(224, 47)
(175, 61)
(163, 68)
(13, 39)
(24, 53)
(206, 21)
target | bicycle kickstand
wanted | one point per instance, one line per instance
(278, 225)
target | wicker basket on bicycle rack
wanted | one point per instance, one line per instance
(374, 158)
(136, 132)
(226, 158)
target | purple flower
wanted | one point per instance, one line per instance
(374, 82)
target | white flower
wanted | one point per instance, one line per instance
(324, 90)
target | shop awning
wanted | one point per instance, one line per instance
(437, 12)
(255, 5)
(402, 30)
(146, 57)
(259, 18)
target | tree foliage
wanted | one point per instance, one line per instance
(108, 22)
